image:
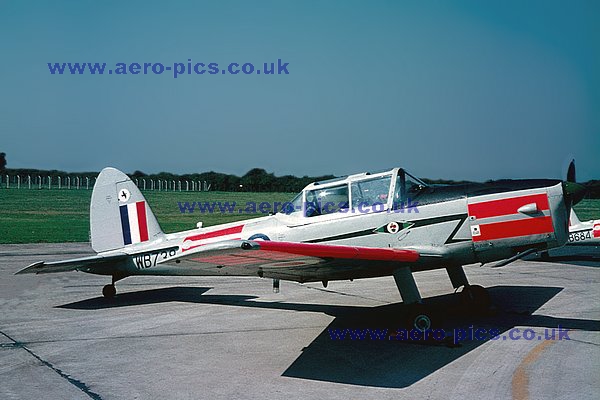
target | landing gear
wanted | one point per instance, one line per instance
(109, 291)
(476, 298)
(422, 318)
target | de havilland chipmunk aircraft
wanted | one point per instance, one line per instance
(583, 233)
(583, 244)
(347, 228)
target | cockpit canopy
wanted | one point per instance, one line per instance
(367, 192)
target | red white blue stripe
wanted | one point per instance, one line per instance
(133, 222)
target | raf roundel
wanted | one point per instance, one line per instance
(393, 227)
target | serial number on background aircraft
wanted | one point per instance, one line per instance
(580, 236)
(150, 259)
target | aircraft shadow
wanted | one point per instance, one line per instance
(141, 297)
(369, 362)
(399, 364)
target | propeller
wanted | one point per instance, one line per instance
(573, 192)
(571, 172)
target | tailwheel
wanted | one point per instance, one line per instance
(109, 291)
(422, 318)
(476, 298)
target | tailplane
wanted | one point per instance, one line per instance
(119, 213)
(573, 220)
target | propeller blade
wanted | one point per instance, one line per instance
(571, 172)
(573, 192)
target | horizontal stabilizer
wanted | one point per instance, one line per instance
(94, 264)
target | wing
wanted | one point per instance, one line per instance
(103, 265)
(302, 262)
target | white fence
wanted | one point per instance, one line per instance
(87, 183)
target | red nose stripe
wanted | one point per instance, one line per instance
(522, 227)
(495, 208)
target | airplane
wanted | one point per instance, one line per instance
(586, 233)
(583, 244)
(365, 225)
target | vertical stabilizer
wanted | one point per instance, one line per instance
(573, 220)
(119, 213)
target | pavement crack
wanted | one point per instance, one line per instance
(584, 342)
(75, 382)
(167, 335)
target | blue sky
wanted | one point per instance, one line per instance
(456, 90)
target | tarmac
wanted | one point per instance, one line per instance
(229, 338)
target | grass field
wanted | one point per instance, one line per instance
(35, 216)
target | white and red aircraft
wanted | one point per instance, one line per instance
(583, 244)
(361, 226)
(586, 233)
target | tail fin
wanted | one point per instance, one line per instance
(573, 220)
(119, 213)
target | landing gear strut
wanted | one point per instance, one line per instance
(421, 317)
(476, 298)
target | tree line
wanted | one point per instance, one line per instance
(255, 180)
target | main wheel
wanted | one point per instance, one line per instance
(422, 318)
(109, 291)
(476, 297)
